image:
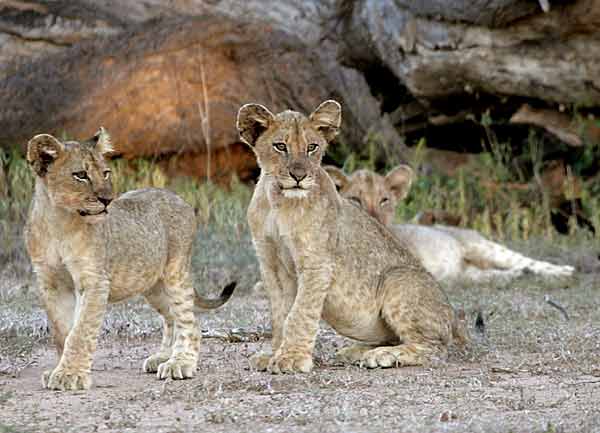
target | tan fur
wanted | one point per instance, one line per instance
(87, 250)
(321, 256)
(449, 253)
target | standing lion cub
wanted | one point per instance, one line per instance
(88, 250)
(449, 253)
(321, 256)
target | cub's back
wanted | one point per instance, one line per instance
(148, 225)
(367, 246)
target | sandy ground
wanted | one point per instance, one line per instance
(546, 379)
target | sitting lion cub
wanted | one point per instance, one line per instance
(449, 253)
(322, 256)
(88, 250)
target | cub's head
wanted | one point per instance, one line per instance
(289, 146)
(75, 174)
(376, 194)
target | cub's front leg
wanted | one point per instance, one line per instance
(73, 371)
(302, 323)
(279, 283)
(57, 294)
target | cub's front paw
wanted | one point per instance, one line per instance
(152, 363)
(176, 369)
(260, 361)
(290, 362)
(63, 379)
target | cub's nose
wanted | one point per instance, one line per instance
(104, 200)
(298, 172)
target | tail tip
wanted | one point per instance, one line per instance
(228, 290)
(480, 323)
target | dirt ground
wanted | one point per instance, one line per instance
(532, 371)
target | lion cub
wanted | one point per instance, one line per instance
(322, 256)
(88, 249)
(449, 253)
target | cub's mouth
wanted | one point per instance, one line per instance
(295, 192)
(84, 213)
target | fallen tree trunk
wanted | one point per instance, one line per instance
(429, 62)
(548, 56)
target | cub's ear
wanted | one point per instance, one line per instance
(102, 141)
(43, 150)
(328, 119)
(399, 181)
(337, 175)
(252, 121)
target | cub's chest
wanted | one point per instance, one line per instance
(82, 250)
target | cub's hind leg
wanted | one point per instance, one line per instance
(157, 297)
(416, 310)
(487, 255)
(180, 295)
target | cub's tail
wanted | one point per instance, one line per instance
(210, 304)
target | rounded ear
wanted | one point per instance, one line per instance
(43, 150)
(399, 181)
(102, 141)
(328, 119)
(337, 175)
(252, 121)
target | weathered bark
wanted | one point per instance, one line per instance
(548, 56)
(488, 13)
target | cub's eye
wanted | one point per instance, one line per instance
(81, 176)
(280, 147)
(355, 200)
(312, 147)
(384, 201)
(106, 174)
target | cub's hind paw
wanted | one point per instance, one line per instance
(403, 355)
(352, 354)
(260, 361)
(65, 380)
(383, 357)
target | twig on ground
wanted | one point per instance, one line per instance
(557, 306)
(236, 335)
(480, 323)
(585, 382)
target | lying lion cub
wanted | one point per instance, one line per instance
(449, 253)
(88, 250)
(321, 256)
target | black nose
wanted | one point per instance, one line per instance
(105, 201)
(297, 177)
(298, 172)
